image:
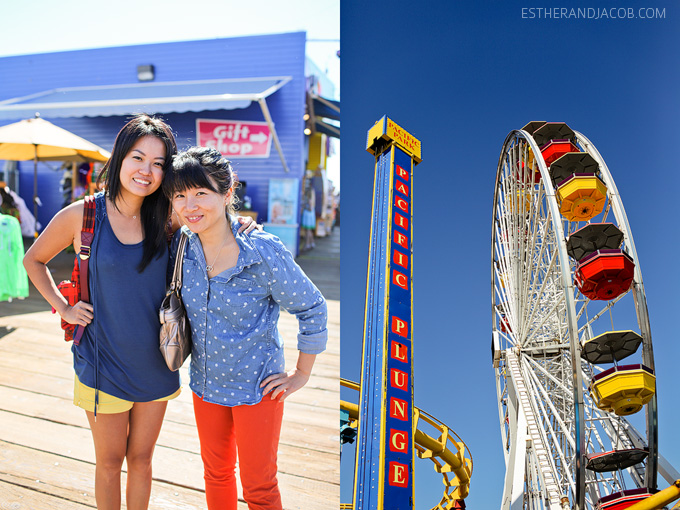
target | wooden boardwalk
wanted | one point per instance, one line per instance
(46, 450)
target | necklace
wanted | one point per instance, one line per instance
(127, 215)
(124, 214)
(210, 267)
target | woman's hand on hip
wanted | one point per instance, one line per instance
(283, 385)
(81, 313)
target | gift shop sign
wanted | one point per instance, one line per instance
(235, 138)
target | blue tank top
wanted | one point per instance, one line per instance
(119, 352)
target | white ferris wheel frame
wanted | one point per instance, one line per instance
(533, 471)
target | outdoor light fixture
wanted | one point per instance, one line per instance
(146, 73)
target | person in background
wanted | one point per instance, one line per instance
(233, 288)
(7, 204)
(10, 199)
(309, 219)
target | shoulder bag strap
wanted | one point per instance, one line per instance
(176, 283)
(86, 235)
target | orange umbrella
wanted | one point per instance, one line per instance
(40, 140)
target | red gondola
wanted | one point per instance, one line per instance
(604, 274)
(555, 149)
(623, 499)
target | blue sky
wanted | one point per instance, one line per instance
(77, 24)
(459, 76)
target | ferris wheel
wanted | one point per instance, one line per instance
(571, 344)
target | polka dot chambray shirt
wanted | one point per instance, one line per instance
(234, 315)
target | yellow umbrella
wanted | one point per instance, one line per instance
(40, 140)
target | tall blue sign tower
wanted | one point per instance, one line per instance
(384, 471)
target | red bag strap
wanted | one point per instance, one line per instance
(88, 215)
(86, 235)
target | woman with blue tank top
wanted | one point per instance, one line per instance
(122, 381)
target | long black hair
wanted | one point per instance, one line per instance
(155, 208)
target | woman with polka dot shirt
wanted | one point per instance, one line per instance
(233, 288)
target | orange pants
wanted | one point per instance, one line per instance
(254, 432)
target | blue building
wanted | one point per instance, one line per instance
(250, 94)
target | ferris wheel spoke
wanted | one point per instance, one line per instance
(547, 317)
(558, 383)
(605, 309)
(552, 421)
(544, 281)
(502, 275)
(535, 274)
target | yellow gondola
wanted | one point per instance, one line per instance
(520, 203)
(582, 197)
(623, 390)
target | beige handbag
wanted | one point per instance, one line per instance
(175, 329)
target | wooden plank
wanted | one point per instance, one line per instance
(49, 324)
(30, 364)
(318, 448)
(72, 480)
(17, 497)
(37, 320)
(75, 443)
(36, 385)
(42, 346)
(49, 484)
(300, 422)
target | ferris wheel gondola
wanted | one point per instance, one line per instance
(568, 308)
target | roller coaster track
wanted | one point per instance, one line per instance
(448, 452)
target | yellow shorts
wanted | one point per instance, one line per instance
(83, 396)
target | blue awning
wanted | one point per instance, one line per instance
(324, 115)
(162, 97)
(326, 107)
